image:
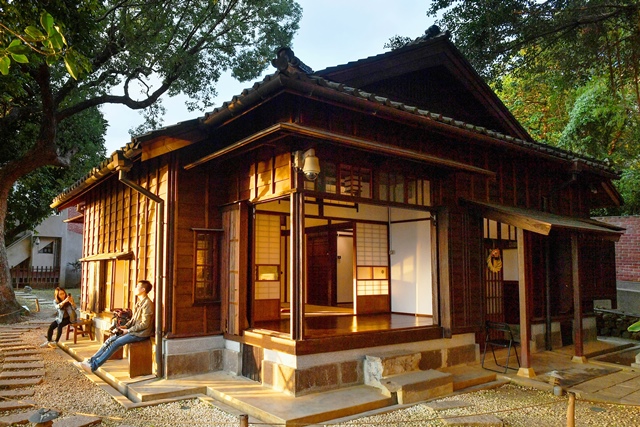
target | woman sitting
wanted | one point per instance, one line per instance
(66, 314)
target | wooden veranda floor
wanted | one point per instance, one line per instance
(325, 326)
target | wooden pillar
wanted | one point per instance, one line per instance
(296, 265)
(578, 341)
(525, 322)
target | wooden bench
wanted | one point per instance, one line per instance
(140, 358)
(82, 327)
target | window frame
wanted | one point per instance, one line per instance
(212, 292)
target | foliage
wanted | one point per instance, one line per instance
(122, 52)
(396, 42)
(51, 44)
(569, 70)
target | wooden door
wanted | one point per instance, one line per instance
(321, 268)
(233, 277)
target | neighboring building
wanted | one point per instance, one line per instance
(627, 262)
(47, 256)
(432, 211)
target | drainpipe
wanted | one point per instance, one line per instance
(159, 260)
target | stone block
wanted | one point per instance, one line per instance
(351, 373)
(188, 364)
(460, 355)
(317, 378)
(430, 360)
(419, 385)
(78, 421)
(377, 367)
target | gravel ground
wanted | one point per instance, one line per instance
(68, 390)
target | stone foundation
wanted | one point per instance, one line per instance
(302, 375)
(538, 334)
(192, 356)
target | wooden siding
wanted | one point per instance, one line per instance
(118, 219)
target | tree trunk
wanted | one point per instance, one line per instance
(9, 307)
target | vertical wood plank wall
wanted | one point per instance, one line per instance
(118, 219)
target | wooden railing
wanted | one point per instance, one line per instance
(36, 277)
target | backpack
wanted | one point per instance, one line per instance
(120, 317)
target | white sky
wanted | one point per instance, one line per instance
(332, 32)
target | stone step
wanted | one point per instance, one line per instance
(417, 386)
(19, 418)
(12, 405)
(382, 365)
(14, 347)
(486, 420)
(5, 375)
(18, 366)
(23, 359)
(23, 382)
(16, 393)
(468, 376)
(78, 421)
(20, 353)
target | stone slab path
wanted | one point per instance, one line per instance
(22, 368)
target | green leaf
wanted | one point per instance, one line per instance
(46, 20)
(19, 49)
(57, 41)
(34, 33)
(20, 58)
(72, 66)
(14, 43)
(4, 65)
(52, 59)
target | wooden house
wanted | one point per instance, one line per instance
(391, 203)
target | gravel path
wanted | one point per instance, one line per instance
(68, 390)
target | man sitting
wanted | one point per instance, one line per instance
(139, 328)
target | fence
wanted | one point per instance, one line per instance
(36, 277)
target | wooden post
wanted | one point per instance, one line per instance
(37, 306)
(296, 263)
(571, 410)
(525, 323)
(244, 420)
(578, 341)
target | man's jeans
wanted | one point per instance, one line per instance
(110, 346)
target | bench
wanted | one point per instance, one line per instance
(504, 339)
(140, 358)
(82, 327)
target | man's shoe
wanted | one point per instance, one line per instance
(44, 344)
(83, 366)
(53, 344)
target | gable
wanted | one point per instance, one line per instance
(430, 73)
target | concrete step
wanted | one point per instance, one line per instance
(13, 419)
(23, 382)
(78, 421)
(417, 386)
(19, 366)
(16, 393)
(33, 373)
(275, 408)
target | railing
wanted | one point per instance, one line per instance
(36, 277)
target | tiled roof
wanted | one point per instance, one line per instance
(239, 102)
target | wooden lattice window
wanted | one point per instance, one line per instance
(206, 269)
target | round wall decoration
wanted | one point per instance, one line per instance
(494, 260)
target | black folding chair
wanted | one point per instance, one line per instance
(505, 340)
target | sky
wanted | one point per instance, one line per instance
(332, 32)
